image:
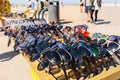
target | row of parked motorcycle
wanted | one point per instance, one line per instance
(66, 49)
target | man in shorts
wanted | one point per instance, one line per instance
(87, 9)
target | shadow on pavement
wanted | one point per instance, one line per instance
(62, 19)
(102, 22)
(66, 22)
(7, 56)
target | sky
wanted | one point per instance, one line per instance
(23, 2)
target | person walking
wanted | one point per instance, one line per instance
(30, 8)
(38, 8)
(4, 9)
(41, 7)
(81, 6)
(87, 4)
(45, 8)
(94, 12)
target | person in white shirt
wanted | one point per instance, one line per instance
(94, 12)
(31, 7)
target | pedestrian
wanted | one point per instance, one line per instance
(38, 8)
(87, 4)
(45, 8)
(41, 7)
(30, 8)
(94, 12)
(81, 6)
(4, 9)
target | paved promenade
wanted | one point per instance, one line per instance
(14, 67)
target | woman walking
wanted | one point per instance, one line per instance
(94, 12)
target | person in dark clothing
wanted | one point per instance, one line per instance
(41, 8)
(44, 9)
